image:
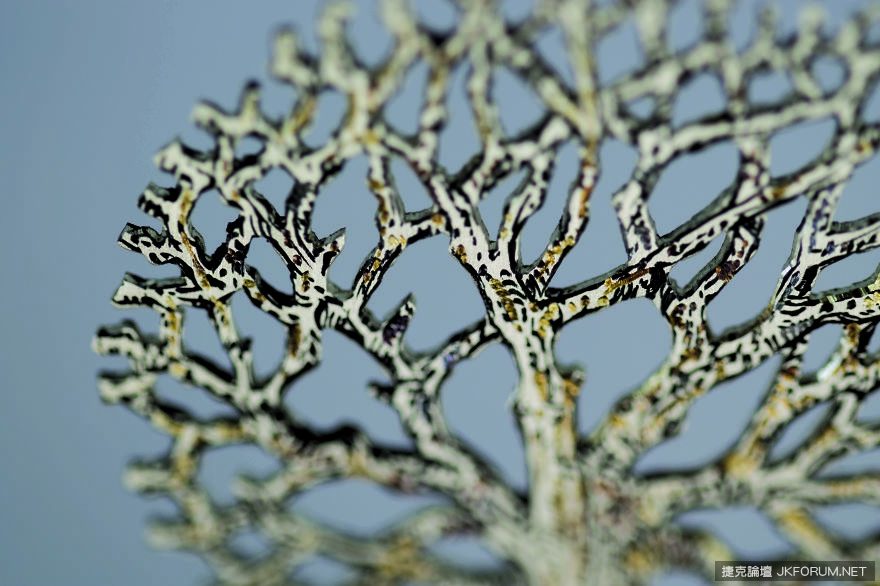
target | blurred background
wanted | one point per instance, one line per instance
(91, 90)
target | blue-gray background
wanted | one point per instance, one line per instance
(88, 93)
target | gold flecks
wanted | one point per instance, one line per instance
(384, 214)
(294, 339)
(727, 270)
(484, 129)
(303, 114)
(692, 353)
(221, 313)
(186, 203)
(850, 488)
(358, 466)
(460, 253)
(376, 264)
(541, 385)
(505, 298)
(196, 264)
(571, 306)
(778, 191)
(611, 284)
(173, 322)
(367, 277)
(853, 331)
(352, 108)
(375, 185)
(229, 432)
(584, 201)
(438, 219)
(796, 521)
(789, 374)
(616, 421)
(165, 423)
(638, 561)
(371, 137)
(742, 464)
(177, 370)
(603, 302)
(545, 321)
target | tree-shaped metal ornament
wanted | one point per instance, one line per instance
(586, 517)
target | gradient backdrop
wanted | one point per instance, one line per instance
(90, 90)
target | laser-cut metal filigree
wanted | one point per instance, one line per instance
(586, 517)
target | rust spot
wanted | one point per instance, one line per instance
(789, 374)
(727, 270)
(778, 191)
(676, 315)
